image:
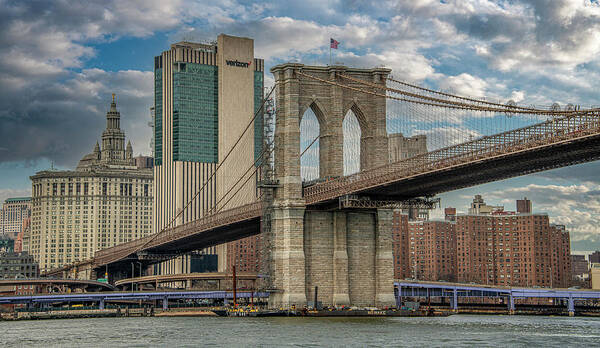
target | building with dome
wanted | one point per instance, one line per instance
(106, 200)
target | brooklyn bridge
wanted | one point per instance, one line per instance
(334, 230)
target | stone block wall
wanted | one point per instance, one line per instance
(349, 257)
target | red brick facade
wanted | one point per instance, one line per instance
(424, 250)
(245, 254)
(512, 250)
(498, 249)
(400, 246)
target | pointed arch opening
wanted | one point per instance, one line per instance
(309, 147)
(352, 139)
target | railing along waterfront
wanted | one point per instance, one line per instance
(553, 131)
(208, 222)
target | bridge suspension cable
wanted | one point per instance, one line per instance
(311, 144)
(460, 105)
(454, 96)
(217, 207)
(441, 103)
(210, 178)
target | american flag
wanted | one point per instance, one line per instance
(333, 43)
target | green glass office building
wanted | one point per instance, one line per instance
(205, 95)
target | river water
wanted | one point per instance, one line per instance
(455, 331)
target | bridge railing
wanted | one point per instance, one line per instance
(226, 217)
(544, 133)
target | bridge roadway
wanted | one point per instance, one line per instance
(454, 291)
(547, 145)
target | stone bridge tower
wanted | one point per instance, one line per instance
(347, 254)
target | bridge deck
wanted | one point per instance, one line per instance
(552, 144)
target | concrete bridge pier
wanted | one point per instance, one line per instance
(346, 254)
(288, 257)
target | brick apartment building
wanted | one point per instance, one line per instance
(424, 250)
(433, 254)
(512, 250)
(487, 246)
(245, 254)
(400, 246)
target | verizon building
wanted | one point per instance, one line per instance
(205, 95)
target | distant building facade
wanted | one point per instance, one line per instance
(106, 201)
(424, 250)
(203, 101)
(26, 230)
(6, 244)
(524, 206)
(580, 270)
(245, 254)
(594, 257)
(478, 206)
(595, 276)
(18, 265)
(496, 248)
(401, 246)
(14, 211)
(401, 147)
(144, 162)
(450, 214)
(510, 249)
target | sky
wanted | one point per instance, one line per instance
(61, 60)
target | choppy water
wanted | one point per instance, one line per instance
(458, 330)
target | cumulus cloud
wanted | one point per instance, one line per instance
(577, 206)
(51, 106)
(465, 84)
(62, 120)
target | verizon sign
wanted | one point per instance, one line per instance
(238, 63)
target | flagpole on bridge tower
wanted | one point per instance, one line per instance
(332, 44)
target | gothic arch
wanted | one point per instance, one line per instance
(318, 108)
(354, 105)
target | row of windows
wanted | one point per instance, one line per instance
(195, 113)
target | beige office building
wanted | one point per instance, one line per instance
(106, 201)
(401, 147)
(595, 276)
(13, 213)
(205, 95)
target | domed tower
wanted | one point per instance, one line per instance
(97, 151)
(113, 138)
(129, 151)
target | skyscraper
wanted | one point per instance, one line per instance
(205, 95)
